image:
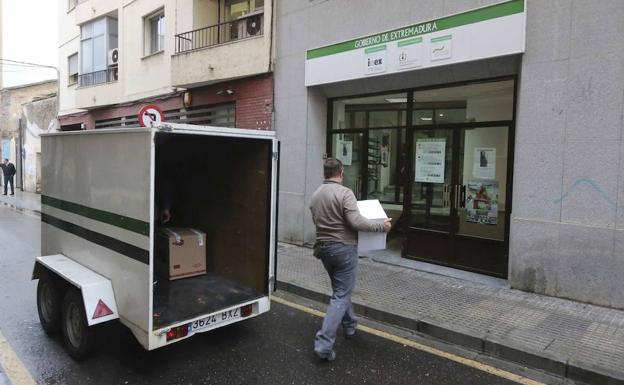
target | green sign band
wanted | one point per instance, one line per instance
(375, 49)
(117, 220)
(415, 40)
(441, 38)
(477, 15)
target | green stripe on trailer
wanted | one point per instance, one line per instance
(470, 17)
(103, 240)
(127, 223)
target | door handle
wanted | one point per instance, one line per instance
(456, 195)
(462, 199)
(446, 195)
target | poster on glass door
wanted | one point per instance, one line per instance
(344, 151)
(484, 165)
(430, 160)
(482, 202)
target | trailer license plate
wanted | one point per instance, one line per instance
(214, 319)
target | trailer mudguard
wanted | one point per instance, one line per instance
(97, 291)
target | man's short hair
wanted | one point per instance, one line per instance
(332, 168)
(6, 159)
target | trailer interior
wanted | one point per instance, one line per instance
(220, 186)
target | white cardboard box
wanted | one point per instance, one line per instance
(367, 241)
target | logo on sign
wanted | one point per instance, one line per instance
(375, 59)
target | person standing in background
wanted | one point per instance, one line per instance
(8, 169)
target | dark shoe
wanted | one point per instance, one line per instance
(4, 194)
(351, 335)
(13, 194)
(329, 357)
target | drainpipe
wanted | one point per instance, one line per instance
(21, 151)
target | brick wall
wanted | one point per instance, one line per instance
(255, 106)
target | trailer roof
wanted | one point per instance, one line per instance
(96, 132)
(175, 128)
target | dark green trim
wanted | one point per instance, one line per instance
(476, 15)
(110, 243)
(131, 224)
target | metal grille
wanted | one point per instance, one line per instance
(241, 28)
(223, 115)
(98, 77)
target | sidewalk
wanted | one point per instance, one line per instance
(23, 201)
(570, 339)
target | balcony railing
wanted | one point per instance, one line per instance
(242, 28)
(99, 77)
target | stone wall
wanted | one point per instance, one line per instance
(567, 237)
(37, 117)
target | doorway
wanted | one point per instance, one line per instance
(458, 209)
(439, 161)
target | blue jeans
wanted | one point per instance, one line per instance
(340, 261)
(7, 180)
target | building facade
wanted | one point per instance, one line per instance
(491, 131)
(38, 116)
(16, 129)
(199, 61)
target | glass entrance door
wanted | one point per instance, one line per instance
(482, 215)
(438, 160)
(458, 203)
(429, 207)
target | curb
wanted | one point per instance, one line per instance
(573, 370)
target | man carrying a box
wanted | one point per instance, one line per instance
(337, 219)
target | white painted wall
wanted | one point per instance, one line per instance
(143, 76)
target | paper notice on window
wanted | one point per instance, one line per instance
(344, 152)
(430, 160)
(484, 163)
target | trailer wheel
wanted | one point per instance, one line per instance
(49, 304)
(77, 335)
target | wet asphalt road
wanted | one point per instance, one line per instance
(272, 349)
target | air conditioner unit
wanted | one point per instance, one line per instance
(113, 57)
(254, 25)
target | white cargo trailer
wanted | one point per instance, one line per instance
(100, 196)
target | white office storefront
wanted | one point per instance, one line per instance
(448, 115)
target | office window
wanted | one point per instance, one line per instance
(239, 8)
(72, 69)
(155, 32)
(97, 38)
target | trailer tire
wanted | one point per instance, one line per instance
(49, 304)
(78, 337)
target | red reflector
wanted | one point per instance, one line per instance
(246, 310)
(177, 332)
(101, 310)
